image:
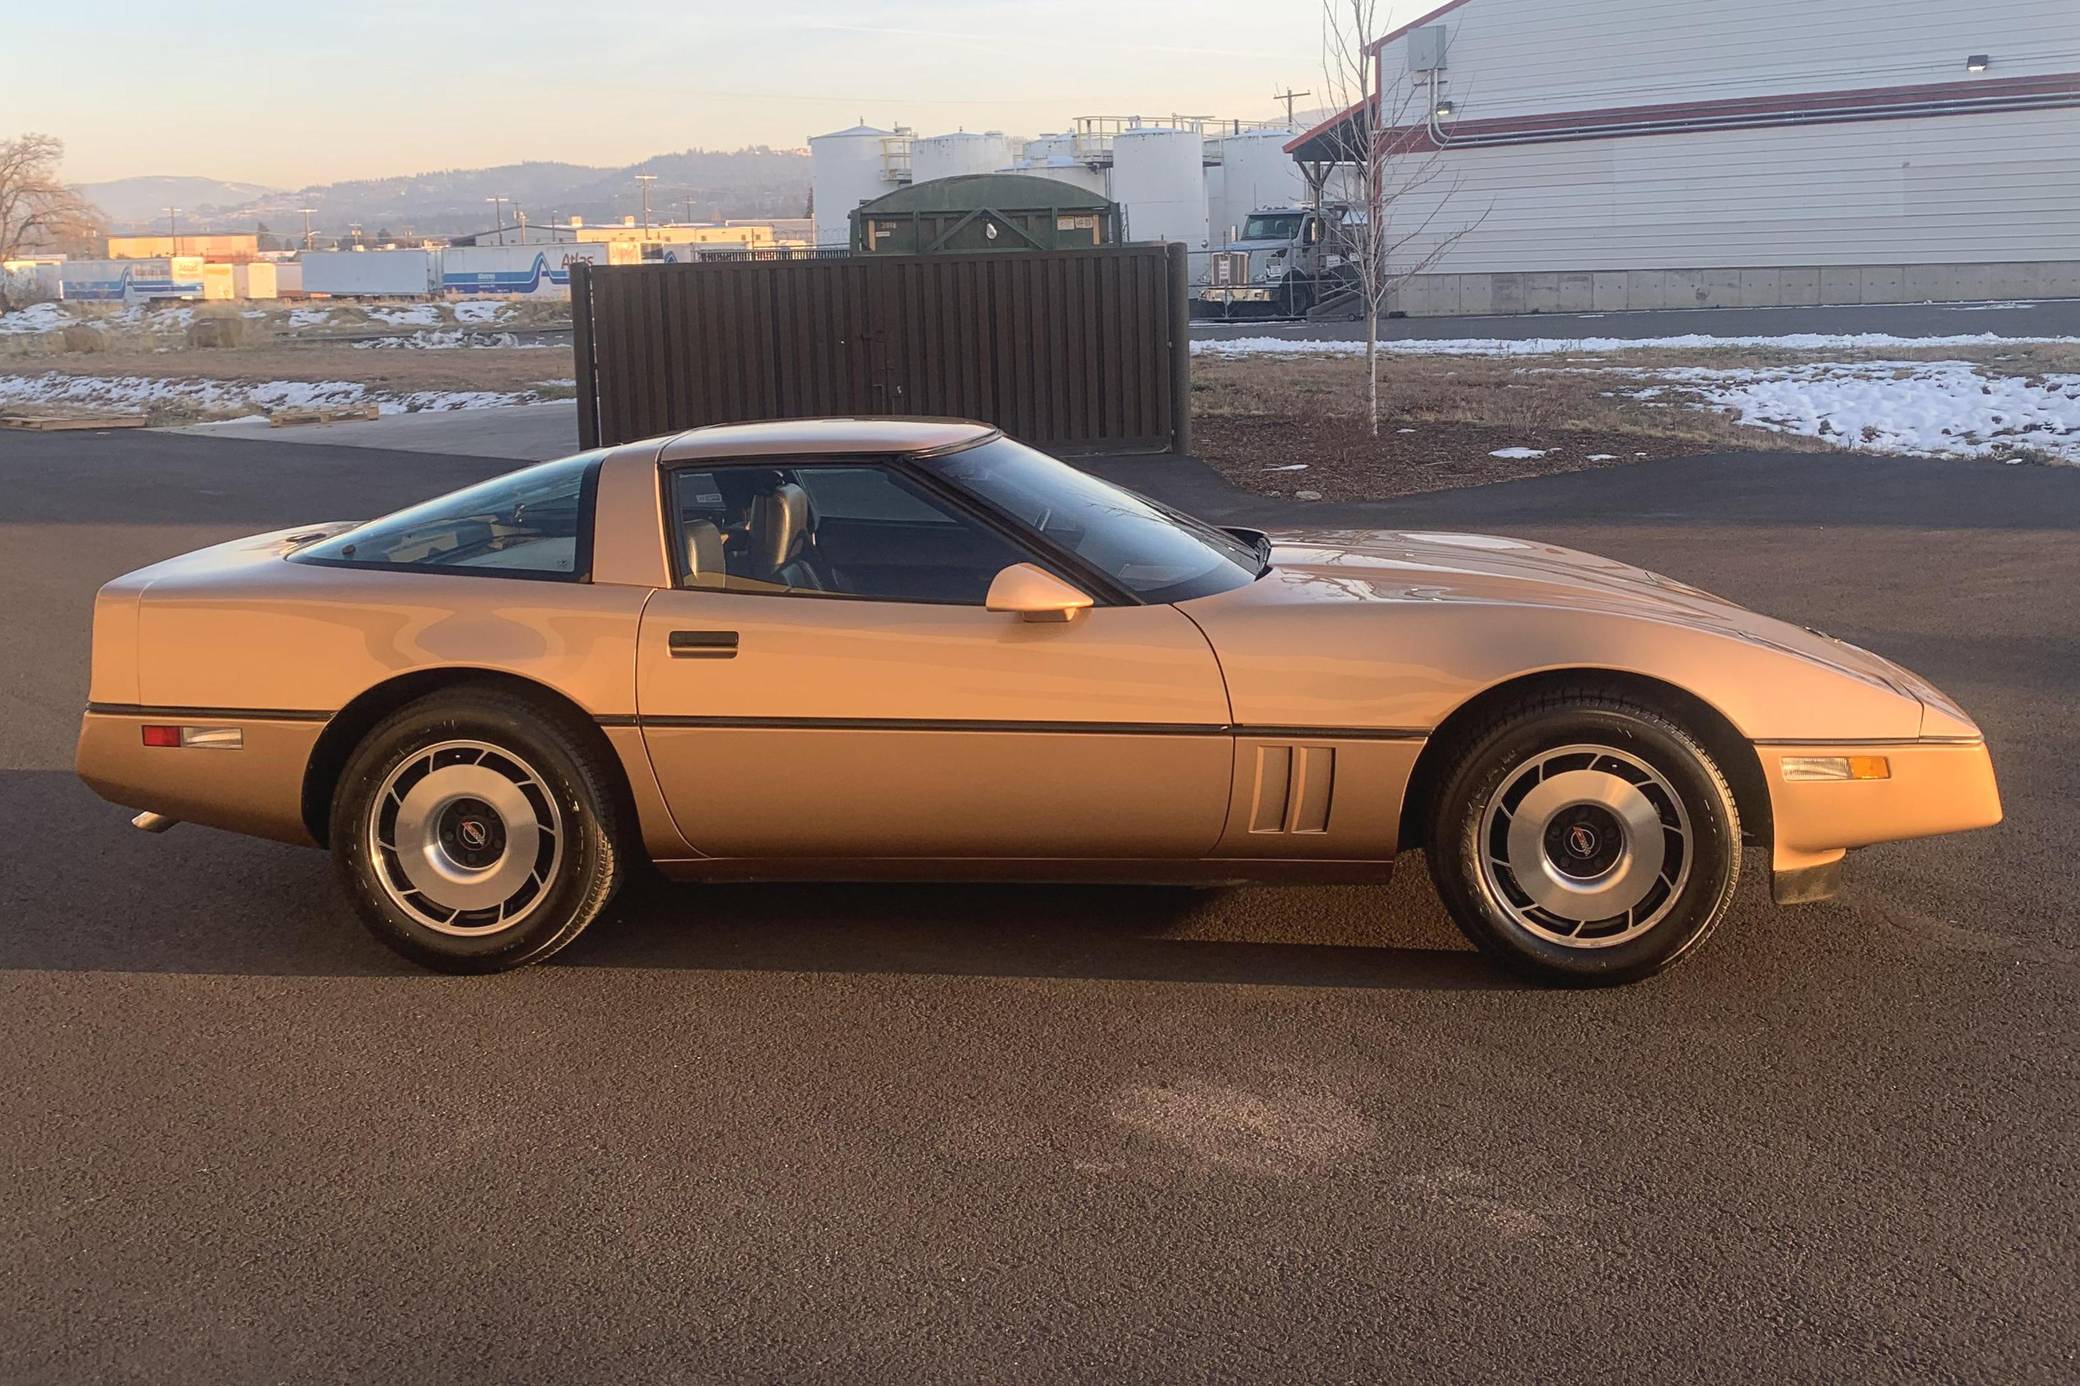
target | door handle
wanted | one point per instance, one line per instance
(703, 644)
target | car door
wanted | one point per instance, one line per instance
(842, 693)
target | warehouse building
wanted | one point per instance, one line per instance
(228, 247)
(1663, 154)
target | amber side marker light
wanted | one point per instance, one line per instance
(1837, 768)
(195, 738)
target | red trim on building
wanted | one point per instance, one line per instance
(1324, 127)
(1748, 112)
(1414, 24)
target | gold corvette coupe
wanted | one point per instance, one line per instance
(852, 649)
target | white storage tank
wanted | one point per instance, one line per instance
(846, 168)
(372, 273)
(1256, 172)
(1054, 156)
(1159, 180)
(950, 156)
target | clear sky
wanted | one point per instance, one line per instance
(310, 93)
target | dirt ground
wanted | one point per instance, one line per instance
(1296, 425)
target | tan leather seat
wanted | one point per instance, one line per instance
(702, 543)
(779, 537)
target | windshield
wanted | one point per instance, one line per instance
(1272, 226)
(1154, 552)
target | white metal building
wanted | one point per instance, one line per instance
(1671, 153)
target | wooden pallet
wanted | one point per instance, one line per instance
(55, 423)
(282, 418)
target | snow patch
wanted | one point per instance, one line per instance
(37, 317)
(1519, 454)
(143, 393)
(418, 315)
(1936, 408)
(482, 310)
(1553, 346)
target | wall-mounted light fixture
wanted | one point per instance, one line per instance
(1445, 108)
(1976, 63)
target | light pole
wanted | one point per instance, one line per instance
(646, 179)
(308, 240)
(173, 229)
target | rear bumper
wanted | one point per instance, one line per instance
(256, 789)
(1934, 787)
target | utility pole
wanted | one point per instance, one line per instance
(173, 229)
(1289, 96)
(646, 179)
(498, 216)
(688, 200)
(308, 240)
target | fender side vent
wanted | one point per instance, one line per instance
(1294, 788)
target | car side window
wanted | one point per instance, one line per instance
(845, 529)
(533, 523)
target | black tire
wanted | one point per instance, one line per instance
(556, 779)
(1482, 867)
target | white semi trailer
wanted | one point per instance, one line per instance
(527, 271)
(372, 273)
(132, 281)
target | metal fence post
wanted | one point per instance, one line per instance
(1180, 350)
(581, 351)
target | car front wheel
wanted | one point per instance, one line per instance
(475, 831)
(1585, 840)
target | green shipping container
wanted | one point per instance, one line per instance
(984, 212)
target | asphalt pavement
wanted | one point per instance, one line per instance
(982, 1134)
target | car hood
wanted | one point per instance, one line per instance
(1397, 566)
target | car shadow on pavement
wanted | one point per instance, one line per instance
(82, 892)
(1391, 937)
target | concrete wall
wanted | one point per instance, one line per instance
(1771, 286)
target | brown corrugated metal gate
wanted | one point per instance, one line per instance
(1074, 350)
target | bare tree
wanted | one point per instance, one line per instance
(1387, 155)
(36, 210)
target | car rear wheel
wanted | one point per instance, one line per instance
(476, 831)
(1585, 840)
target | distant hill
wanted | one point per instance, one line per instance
(756, 182)
(145, 199)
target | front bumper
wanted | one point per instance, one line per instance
(1935, 786)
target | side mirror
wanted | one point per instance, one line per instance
(1034, 594)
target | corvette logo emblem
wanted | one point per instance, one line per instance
(1581, 841)
(473, 833)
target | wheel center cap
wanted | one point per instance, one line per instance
(1581, 841)
(474, 834)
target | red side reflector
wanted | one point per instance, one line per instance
(162, 736)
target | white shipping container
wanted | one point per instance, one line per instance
(372, 273)
(255, 280)
(524, 271)
(132, 281)
(288, 278)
